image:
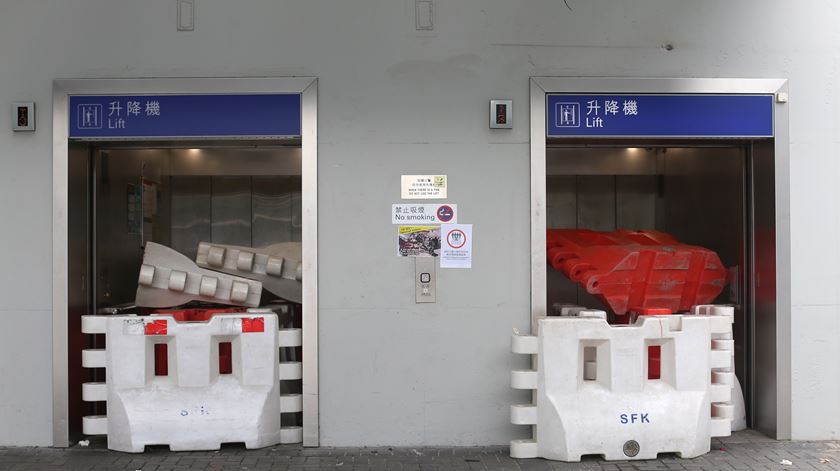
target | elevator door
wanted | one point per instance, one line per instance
(179, 197)
(123, 194)
(697, 194)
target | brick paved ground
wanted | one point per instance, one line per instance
(745, 450)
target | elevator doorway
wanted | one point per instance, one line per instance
(698, 194)
(222, 161)
(714, 185)
(128, 194)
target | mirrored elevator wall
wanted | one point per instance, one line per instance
(180, 197)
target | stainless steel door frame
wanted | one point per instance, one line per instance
(308, 88)
(780, 408)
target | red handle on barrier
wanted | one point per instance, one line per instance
(157, 327)
(253, 324)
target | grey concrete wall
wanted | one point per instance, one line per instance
(394, 102)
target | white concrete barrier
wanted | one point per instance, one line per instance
(725, 341)
(168, 278)
(720, 341)
(278, 267)
(593, 395)
(195, 406)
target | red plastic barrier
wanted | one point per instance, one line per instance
(631, 271)
(192, 315)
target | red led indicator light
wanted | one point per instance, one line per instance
(501, 114)
(23, 116)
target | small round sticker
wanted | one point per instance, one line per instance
(445, 213)
(631, 448)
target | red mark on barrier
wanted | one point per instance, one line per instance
(654, 362)
(225, 358)
(653, 311)
(254, 324)
(161, 359)
(157, 327)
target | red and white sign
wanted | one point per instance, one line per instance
(456, 245)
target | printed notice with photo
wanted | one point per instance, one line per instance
(418, 241)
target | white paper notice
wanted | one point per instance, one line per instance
(422, 187)
(456, 245)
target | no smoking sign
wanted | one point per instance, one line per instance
(421, 213)
(445, 213)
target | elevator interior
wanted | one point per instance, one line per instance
(713, 194)
(124, 194)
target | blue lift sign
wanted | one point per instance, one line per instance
(705, 116)
(174, 116)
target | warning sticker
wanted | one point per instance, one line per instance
(419, 187)
(419, 241)
(424, 213)
(457, 246)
